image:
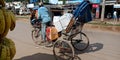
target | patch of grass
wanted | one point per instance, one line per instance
(117, 25)
(103, 23)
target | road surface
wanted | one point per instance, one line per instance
(104, 45)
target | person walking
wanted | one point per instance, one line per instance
(115, 16)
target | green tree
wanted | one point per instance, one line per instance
(8, 0)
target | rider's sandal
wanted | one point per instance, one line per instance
(50, 44)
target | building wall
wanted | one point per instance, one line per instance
(96, 1)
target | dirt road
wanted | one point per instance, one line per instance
(103, 45)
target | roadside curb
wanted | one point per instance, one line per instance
(103, 27)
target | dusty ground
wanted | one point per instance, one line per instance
(104, 45)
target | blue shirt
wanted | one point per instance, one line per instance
(43, 14)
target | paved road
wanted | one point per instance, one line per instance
(103, 45)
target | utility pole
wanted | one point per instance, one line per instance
(103, 10)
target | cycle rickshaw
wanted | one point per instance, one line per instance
(72, 37)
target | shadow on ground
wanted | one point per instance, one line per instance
(91, 48)
(38, 56)
(42, 56)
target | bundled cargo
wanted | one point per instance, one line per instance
(51, 33)
(61, 22)
(82, 14)
(83, 11)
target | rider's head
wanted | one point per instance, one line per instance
(41, 4)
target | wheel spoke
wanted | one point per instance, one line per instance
(79, 41)
(64, 50)
(36, 36)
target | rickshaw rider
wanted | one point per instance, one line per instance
(43, 15)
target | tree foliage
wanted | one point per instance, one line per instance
(16, 0)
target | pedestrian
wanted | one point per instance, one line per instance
(44, 16)
(115, 16)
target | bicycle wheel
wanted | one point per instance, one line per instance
(63, 50)
(79, 41)
(36, 36)
(75, 58)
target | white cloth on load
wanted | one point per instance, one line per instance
(61, 22)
